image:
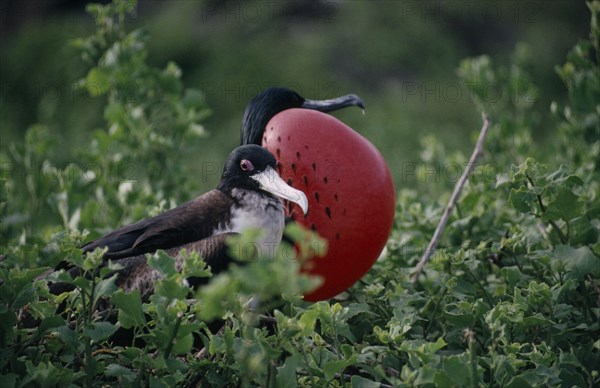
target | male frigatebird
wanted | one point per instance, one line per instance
(268, 103)
(349, 186)
(248, 196)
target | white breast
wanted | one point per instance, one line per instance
(256, 211)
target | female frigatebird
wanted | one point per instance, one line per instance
(248, 196)
(349, 186)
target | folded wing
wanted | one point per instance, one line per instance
(190, 222)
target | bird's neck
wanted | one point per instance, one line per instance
(257, 210)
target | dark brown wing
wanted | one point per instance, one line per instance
(136, 273)
(193, 221)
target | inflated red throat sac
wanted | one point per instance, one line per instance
(349, 188)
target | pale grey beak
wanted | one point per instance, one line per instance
(270, 181)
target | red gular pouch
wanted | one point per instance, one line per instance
(350, 192)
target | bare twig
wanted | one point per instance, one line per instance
(201, 353)
(478, 151)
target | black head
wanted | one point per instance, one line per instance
(252, 167)
(269, 102)
(243, 163)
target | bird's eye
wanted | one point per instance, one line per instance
(246, 165)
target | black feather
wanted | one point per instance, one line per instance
(264, 106)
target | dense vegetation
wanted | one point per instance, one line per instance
(510, 298)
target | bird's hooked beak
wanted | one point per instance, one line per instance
(270, 181)
(334, 103)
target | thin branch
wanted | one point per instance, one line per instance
(201, 353)
(477, 152)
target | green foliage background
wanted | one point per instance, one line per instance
(400, 56)
(511, 297)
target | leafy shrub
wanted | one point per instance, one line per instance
(511, 297)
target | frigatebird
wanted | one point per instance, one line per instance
(348, 183)
(271, 101)
(248, 196)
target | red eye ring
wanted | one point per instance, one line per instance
(246, 165)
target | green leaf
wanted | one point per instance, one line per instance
(457, 368)
(458, 317)
(582, 231)
(512, 274)
(132, 353)
(426, 375)
(60, 277)
(9, 380)
(215, 296)
(163, 263)
(354, 309)
(24, 278)
(50, 323)
(119, 371)
(68, 336)
(171, 288)
(530, 378)
(337, 366)
(24, 296)
(105, 287)
(570, 368)
(578, 262)
(565, 205)
(7, 321)
(99, 331)
(361, 382)
(434, 347)
(130, 308)
(536, 320)
(522, 199)
(308, 320)
(114, 113)
(286, 374)
(194, 265)
(183, 344)
(83, 283)
(97, 82)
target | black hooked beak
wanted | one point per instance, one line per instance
(334, 103)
